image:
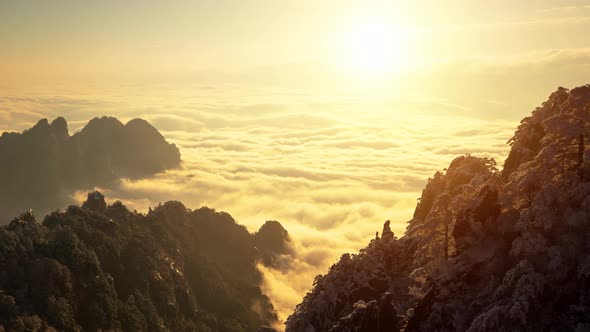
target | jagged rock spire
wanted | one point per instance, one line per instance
(387, 233)
(95, 202)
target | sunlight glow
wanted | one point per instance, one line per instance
(375, 49)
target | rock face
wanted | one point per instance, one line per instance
(106, 268)
(387, 233)
(95, 202)
(42, 166)
(486, 250)
(273, 242)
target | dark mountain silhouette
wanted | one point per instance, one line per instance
(274, 244)
(42, 166)
(485, 250)
(105, 268)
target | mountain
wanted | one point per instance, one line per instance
(486, 250)
(41, 167)
(274, 243)
(102, 267)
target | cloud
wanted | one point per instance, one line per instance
(541, 60)
(331, 199)
(552, 21)
(330, 172)
(565, 8)
(172, 122)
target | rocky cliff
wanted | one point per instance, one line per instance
(486, 250)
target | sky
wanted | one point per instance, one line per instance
(328, 116)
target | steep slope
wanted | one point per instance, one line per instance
(484, 251)
(42, 166)
(100, 267)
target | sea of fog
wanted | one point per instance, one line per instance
(331, 167)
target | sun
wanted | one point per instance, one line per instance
(374, 49)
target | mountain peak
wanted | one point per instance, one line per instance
(95, 202)
(43, 123)
(57, 164)
(273, 240)
(60, 127)
(528, 138)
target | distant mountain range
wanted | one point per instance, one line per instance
(486, 250)
(41, 167)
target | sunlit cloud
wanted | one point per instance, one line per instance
(331, 184)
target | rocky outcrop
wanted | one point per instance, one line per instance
(274, 244)
(386, 233)
(95, 202)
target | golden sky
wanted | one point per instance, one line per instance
(326, 115)
(164, 37)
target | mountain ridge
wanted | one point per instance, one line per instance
(486, 250)
(44, 165)
(103, 267)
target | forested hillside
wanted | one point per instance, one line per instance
(100, 267)
(486, 250)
